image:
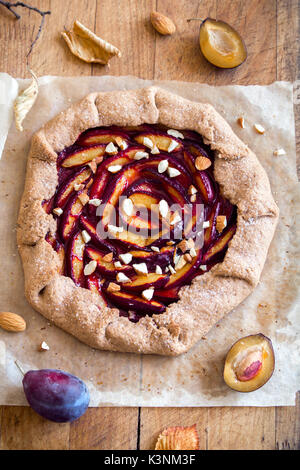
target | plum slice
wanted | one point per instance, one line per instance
(107, 268)
(75, 259)
(80, 177)
(160, 140)
(249, 363)
(140, 283)
(134, 302)
(83, 156)
(102, 136)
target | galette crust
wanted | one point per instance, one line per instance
(211, 296)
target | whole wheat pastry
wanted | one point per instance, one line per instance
(76, 279)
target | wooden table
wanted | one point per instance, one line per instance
(269, 28)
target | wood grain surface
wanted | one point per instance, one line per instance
(270, 30)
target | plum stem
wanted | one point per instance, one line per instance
(10, 6)
(19, 367)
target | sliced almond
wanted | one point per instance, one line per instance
(121, 143)
(155, 150)
(115, 229)
(95, 202)
(193, 198)
(148, 142)
(155, 248)
(206, 224)
(241, 122)
(90, 268)
(279, 152)
(83, 198)
(93, 166)
(173, 172)
(147, 294)
(192, 190)
(117, 264)
(175, 133)
(158, 269)
(171, 269)
(202, 163)
(140, 268)
(114, 168)
(221, 223)
(127, 206)
(188, 258)
(113, 287)
(126, 258)
(121, 277)
(139, 155)
(86, 237)
(203, 267)
(259, 128)
(111, 149)
(163, 208)
(170, 243)
(162, 166)
(181, 262)
(43, 346)
(108, 258)
(173, 145)
(57, 211)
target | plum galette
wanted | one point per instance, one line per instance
(144, 220)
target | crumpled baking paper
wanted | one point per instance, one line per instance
(195, 378)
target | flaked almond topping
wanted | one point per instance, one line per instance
(140, 268)
(43, 346)
(140, 155)
(167, 269)
(193, 252)
(108, 258)
(173, 145)
(113, 287)
(170, 243)
(203, 267)
(175, 133)
(188, 258)
(155, 248)
(193, 197)
(206, 224)
(95, 202)
(148, 142)
(117, 264)
(93, 166)
(241, 122)
(147, 294)
(121, 277)
(192, 190)
(163, 208)
(173, 172)
(121, 143)
(90, 268)
(155, 150)
(78, 187)
(86, 237)
(175, 218)
(114, 168)
(111, 149)
(221, 223)
(259, 128)
(181, 262)
(115, 229)
(57, 211)
(202, 163)
(83, 198)
(127, 206)
(172, 270)
(126, 258)
(158, 269)
(162, 166)
(279, 152)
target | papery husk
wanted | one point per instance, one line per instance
(89, 47)
(25, 101)
(178, 438)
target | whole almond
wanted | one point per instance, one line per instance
(162, 24)
(12, 322)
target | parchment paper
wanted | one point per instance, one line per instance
(195, 378)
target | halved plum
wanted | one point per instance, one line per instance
(249, 363)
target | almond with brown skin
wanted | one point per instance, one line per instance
(162, 24)
(12, 322)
